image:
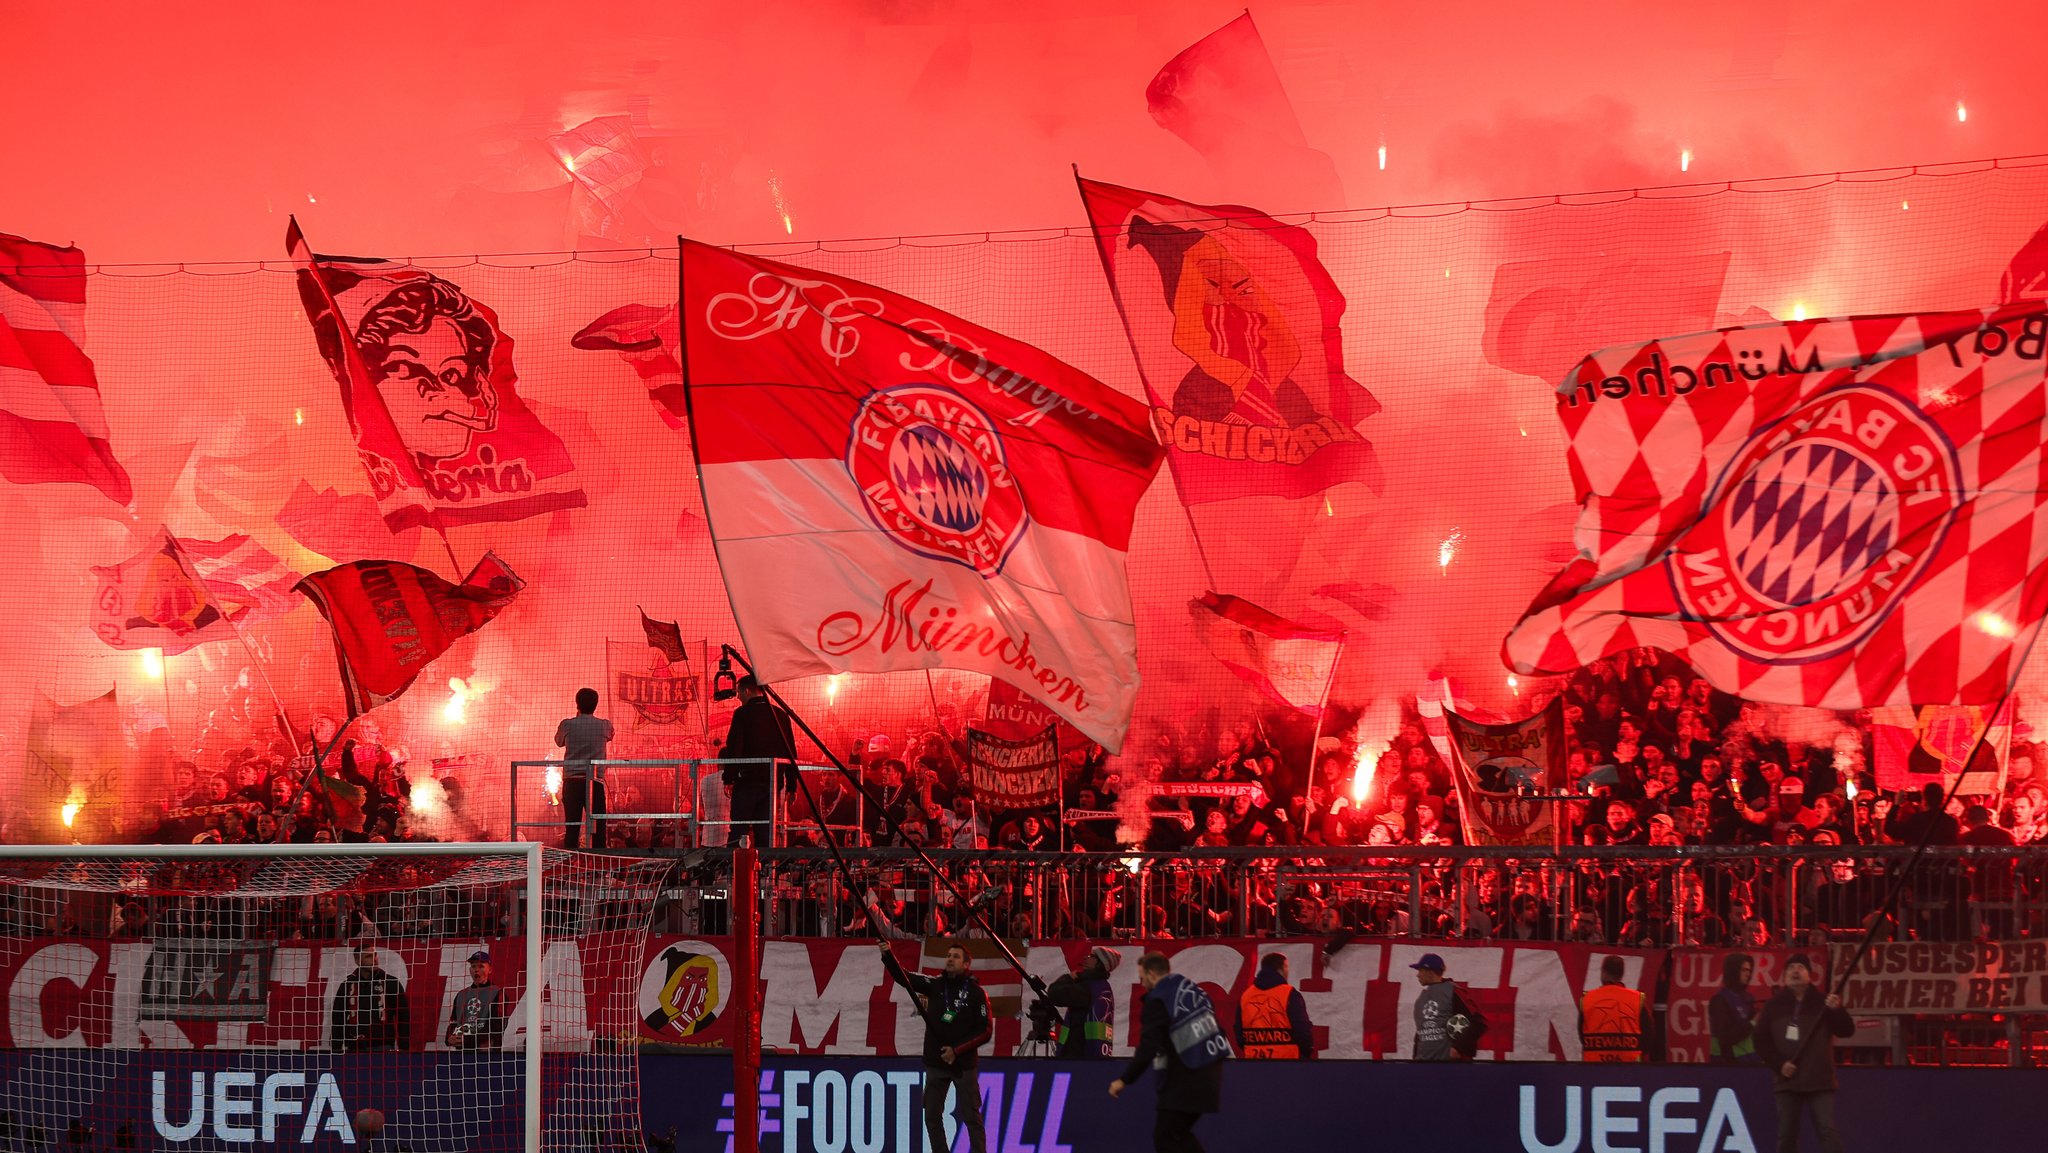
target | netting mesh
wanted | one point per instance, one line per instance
(1459, 320)
(210, 1002)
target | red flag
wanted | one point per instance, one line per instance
(1914, 747)
(427, 383)
(664, 637)
(52, 426)
(1012, 715)
(1542, 315)
(390, 620)
(1837, 513)
(2026, 277)
(179, 593)
(1223, 96)
(890, 487)
(342, 528)
(1293, 663)
(647, 337)
(1235, 324)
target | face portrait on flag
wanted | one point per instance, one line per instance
(428, 353)
(428, 385)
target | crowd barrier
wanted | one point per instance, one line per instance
(1696, 896)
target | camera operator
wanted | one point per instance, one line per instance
(956, 1023)
(1087, 1027)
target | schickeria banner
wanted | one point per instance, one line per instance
(822, 1105)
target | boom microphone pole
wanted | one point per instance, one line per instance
(728, 654)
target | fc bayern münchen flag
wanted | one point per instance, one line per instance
(1837, 513)
(890, 487)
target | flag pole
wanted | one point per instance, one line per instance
(234, 626)
(924, 858)
(1315, 739)
(1124, 316)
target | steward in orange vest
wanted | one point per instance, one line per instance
(1613, 1019)
(1272, 1017)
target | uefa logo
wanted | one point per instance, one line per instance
(931, 473)
(1818, 527)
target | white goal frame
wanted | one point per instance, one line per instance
(533, 852)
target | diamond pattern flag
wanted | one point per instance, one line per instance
(891, 487)
(1837, 513)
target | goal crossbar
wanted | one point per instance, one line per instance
(532, 852)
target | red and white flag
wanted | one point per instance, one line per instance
(427, 383)
(646, 337)
(1837, 513)
(1235, 323)
(891, 487)
(53, 427)
(1292, 662)
(179, 593)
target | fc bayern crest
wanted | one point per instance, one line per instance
(1820, 525)
(931, 471)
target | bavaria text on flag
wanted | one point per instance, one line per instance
(428, 386)
(1497, 766)
(1291, 662)
(1235, 323)
(1836, 513)
(390, 619)
(891, 487)
(53, 427)
(179, 593)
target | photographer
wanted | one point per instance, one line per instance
(1086, 1027)
(956, 1023)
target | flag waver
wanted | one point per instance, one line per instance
(890, 487)
(53, 427)
(1837, 513)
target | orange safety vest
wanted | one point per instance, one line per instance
(1611, 1024)
(1263, 1024)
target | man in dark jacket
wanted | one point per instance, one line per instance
(1173, 1038)
(956, 1024)
(1804, 1063)
(762, 738)
(1272, 1016)
(1089, 1003)
(371, 1012)
(1731, 1015)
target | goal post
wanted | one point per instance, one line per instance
(439, 996)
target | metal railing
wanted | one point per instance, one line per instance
(649, 804)
(1750, 896)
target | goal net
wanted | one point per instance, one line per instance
(378, 996)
